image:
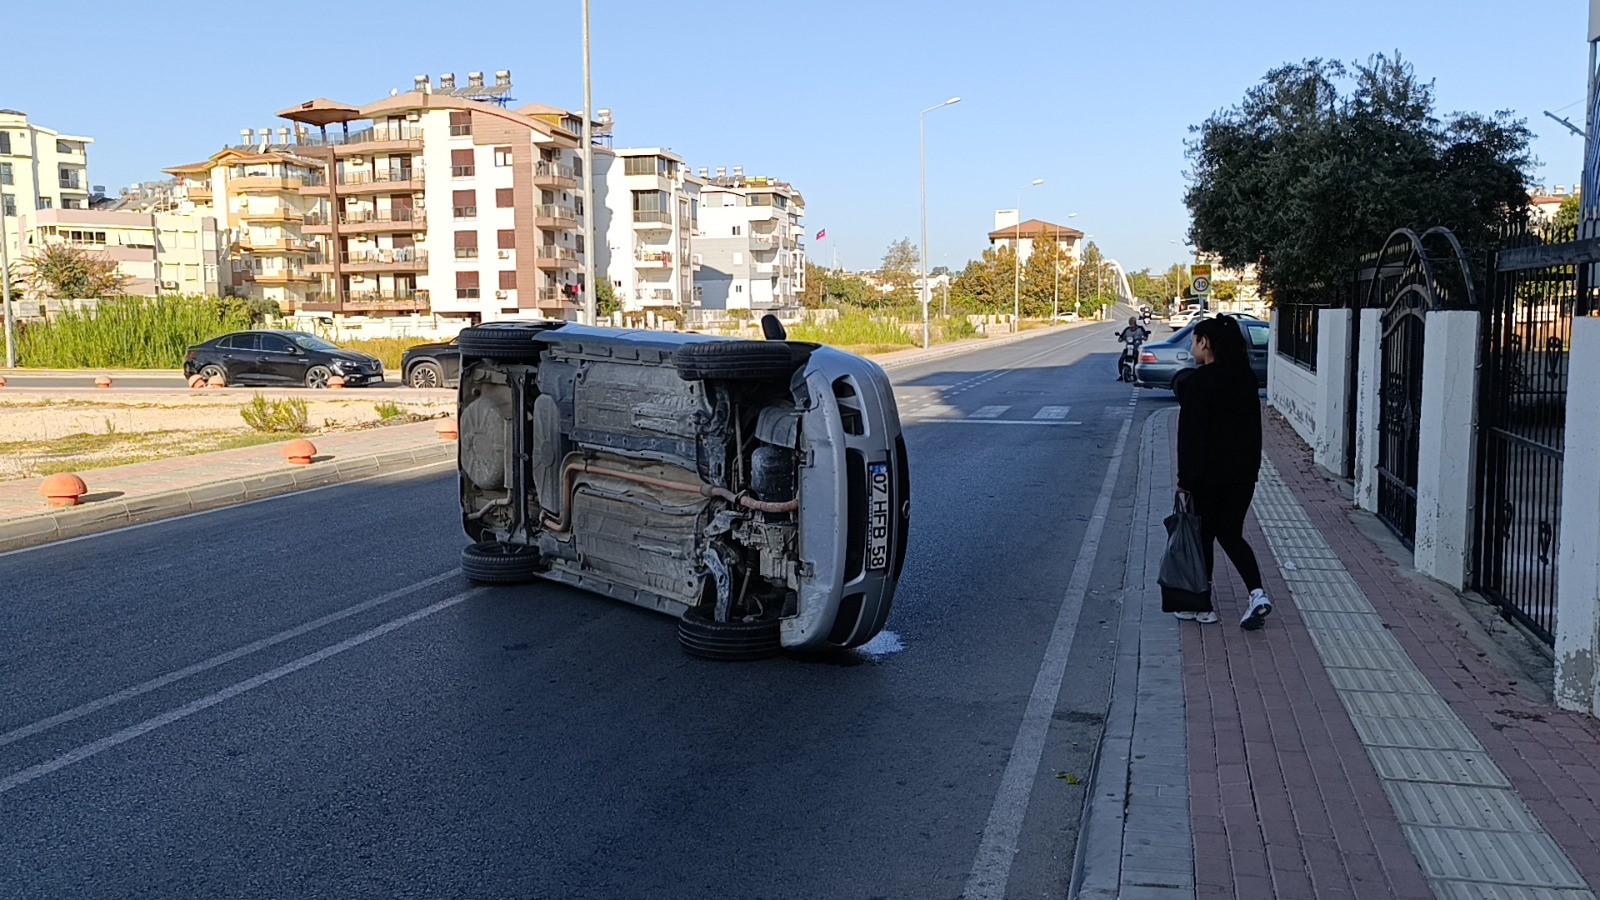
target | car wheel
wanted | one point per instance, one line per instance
(317, 376)
(502, 342)
(214, 371)
(496, 562)
(707, 638)
(425, 375)
(739, 360)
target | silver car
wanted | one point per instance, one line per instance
(757, 490)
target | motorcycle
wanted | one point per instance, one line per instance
(1130, 352)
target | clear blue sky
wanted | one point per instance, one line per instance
(1094, 98)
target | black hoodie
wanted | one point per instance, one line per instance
(1219, 427)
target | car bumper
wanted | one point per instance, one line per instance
(1156, 374)
(358, 379)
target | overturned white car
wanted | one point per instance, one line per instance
(758, 490)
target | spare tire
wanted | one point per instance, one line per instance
(705, 637)
(739, 360)
(509, 341)
(494, 562)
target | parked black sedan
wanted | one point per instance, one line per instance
(432, 365)
(280, 357)
(1160, 361)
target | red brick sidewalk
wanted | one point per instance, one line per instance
(1551, 756)
(1284, 799)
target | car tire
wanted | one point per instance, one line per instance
(739, 360)
(317, 376)
(425, 375)
(503, 342)
(213, 370)
(496, 562)
(707, 638)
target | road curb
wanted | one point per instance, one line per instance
(104, 515)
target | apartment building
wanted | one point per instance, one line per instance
(442, 201)
(40, 168)
(749, 242)
(158, 253)
(1020, 236)
(255, 192)
(649, 210)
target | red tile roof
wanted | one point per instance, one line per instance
(1034, 228)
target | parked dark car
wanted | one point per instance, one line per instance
(280, 357)
(1160, 361)
(432, 365)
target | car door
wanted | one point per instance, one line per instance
(1260, 335)
(237, 354)
(278, 361)
(449, 357)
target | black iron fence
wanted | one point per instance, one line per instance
(1297, 330)
(1540, 279)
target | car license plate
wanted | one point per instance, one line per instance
(878, 516)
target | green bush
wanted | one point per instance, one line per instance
(274, 416)
(958, 328)
(852, 329)
(129, 333)
(388, 410)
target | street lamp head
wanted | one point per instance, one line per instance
(1072, 215)
(952, 101)
(1037, 182)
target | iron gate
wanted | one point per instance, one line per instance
(1412, 274)
(1539, 282)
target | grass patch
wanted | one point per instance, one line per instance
(388, 409)
(129, 333)
(387, 349)
(274, 416)
(853, 330)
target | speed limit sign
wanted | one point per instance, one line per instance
(1202, 284)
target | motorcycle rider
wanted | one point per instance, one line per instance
(1131, 337)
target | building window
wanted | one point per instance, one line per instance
(738, 289)
(460, 124)
(508, 281)
(737, 230)
(5, 173)
(466, 285)
(466, 245)
(502, 157)
(45, 203)
(503, 198)
(506, 239)
(5, 142)
(8, 203)
(461, 164)
(464, 204)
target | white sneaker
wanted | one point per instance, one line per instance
(1204, 618)
(1260, 608)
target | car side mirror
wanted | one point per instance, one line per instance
(773, 329)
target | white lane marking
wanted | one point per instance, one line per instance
(991, 869)
(78, 712)
(1052, 412)
(207, 512)
(990, 412)
(79, 754)
(942, 421)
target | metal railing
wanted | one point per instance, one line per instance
(547, 169)
(398, 255)
(464, 212)
(463, 171)
(553, 211)
(352, 179)
(652, 215)
(551, 252)
(371, 217)
(377, 133)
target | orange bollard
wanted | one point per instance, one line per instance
(217, 381)
(197, 381)
(63, 489)
(103, 381)
(335, 382)
(447, 429)
(299, 452)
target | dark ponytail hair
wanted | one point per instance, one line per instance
(1227, 346)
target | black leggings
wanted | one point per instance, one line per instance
(1222, 509)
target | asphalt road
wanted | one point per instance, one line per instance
(264, 701)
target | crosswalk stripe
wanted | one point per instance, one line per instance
(1052, 412)
(990, 412)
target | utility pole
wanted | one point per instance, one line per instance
(922, 144)
(5, 276)
(590, 301)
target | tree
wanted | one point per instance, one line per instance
(815, 296)
(70, 273)
(1049, 268)
(1567, 214)
(986, 282)
(1321, 161)
(605, 299)
(1224, 291)
(900, 270)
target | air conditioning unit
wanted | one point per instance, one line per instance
(499, 295)
(505, 254)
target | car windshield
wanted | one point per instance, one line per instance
(311, 342)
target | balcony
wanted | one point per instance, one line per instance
(549, 215)
(282, 276)
(547, 174)
(552, 295)
(653, 259)
(550, 257)
(249, 184)
(369, 182)
(275, 245)
(73, 184)
(368, 301)
(369, 222)
(400, 259)
(652, 218)
(369, 140)
(653, 296)
(278, 214)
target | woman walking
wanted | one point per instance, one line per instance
(1219, 453)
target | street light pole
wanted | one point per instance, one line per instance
(590, 299)
(1055, 295)
(922, 146)
(5, 287)
(1016, 262)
